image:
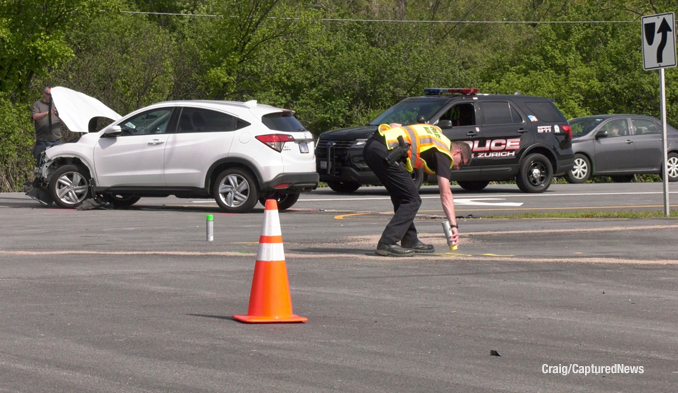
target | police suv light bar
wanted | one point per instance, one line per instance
(450, 90)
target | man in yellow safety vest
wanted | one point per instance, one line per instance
(417, 146)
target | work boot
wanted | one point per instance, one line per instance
(393, 250)
(420, 247)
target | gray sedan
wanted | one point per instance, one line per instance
(620, 146)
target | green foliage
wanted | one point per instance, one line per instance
(125, 61)
(16, 161)
(33, 39)
(324, 60)
(586, 68)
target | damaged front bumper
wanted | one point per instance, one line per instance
(37, 189)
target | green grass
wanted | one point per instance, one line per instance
(589, 214)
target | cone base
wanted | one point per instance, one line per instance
(261, 319)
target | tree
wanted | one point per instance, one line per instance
(32, 33)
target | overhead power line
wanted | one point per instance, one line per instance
(479, 22)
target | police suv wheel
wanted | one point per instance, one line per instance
(343, 186)
(68, 186)
(535, 174)
(121, 200)
(418, 177)
(473, 185)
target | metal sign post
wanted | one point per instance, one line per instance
(659, 52)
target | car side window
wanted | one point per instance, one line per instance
(643, 127)
(616, 128)
(497, 113)
(461, 115)
(545, 111)
(151, 122)
(205, 120)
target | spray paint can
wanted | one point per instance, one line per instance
(448, 232)
(210, 228)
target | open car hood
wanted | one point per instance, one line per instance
(77, 109)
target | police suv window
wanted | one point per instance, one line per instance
(515, 116)
(545, 111)
(497, 112)
(460, 115)
(205, 120)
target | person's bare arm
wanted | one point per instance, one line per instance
(448, 206)
(41, 115)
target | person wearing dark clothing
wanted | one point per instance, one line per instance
(429, 150)
(47, 124)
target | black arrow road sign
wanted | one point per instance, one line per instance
(659, 41)
(664, 30)
(649, 33)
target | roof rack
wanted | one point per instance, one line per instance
(434, 91)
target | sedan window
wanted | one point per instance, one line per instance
(583, 125)
(617, 127)
(643, 127)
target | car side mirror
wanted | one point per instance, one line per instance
(445, 124)
(112, 132)
(601, 134)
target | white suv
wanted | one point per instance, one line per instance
(238, 153)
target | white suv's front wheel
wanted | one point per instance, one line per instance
(68, 186)
(236, 191)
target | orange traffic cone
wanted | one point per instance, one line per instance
(270, 299)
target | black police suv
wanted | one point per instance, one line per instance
(513, 137)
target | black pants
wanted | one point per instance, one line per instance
(401, 188)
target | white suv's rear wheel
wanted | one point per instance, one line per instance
(236, 191)
(285, 201)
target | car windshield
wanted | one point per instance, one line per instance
(584, 125)
(408, 111)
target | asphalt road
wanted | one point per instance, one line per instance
(137, 301)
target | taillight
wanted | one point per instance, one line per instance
(275, 141)
(568, 130)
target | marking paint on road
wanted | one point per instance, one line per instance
(340, 256)
(497, 255)
(485, 201)
(517, 195)
(342, 216)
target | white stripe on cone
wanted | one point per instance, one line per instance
(271, 252)
(271, 225)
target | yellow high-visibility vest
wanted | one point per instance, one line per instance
(421, 138)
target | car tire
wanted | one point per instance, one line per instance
(535, 174)
(285, 201)
(69, 187)
(343, 187)
(235, 191)
(622, 178)
(120, 200)
(473, 185)
(418, 177)
(581, 171)
(672, 164)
